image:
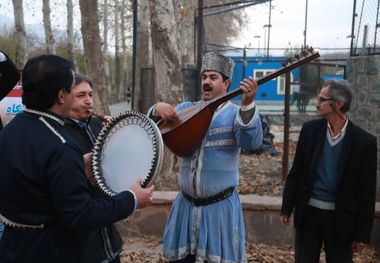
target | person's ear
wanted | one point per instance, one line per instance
(61, 96)
(227, 84)
(338, 104)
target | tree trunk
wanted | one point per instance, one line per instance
(144, 92)
(184, 14)
(105, 47)
(166, 55)
(93, 53)
(50, 48)
(70, 31)
(117, 50)
(124, 71)
(20, 34)
(167, 65)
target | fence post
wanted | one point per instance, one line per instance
(285, 156)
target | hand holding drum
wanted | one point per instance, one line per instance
(143, 196)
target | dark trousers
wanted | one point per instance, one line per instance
(188, 259)
(319, 227)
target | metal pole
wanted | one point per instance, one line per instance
(305, 31)
(365, 36)
(285, 157)
(319, 79)
(244, 62)
(256, 2)
(200, 39)
(376, 26)
(269, 26)
(265, 41)
(134, 53)
(258, 44)
(344, 72)
(228, 10)
(353, 30)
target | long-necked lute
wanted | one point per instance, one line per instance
(184, 134)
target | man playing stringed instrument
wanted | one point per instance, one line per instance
(206, 219)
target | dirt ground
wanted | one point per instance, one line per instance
(259, 174)
(149, 249)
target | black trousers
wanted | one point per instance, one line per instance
(188, 259)
(319, 227)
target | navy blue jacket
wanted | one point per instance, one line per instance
(42, 182)
(105, 243)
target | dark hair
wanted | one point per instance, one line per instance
(340, 89)
(225, 78)
(79, 78)
(42, 78)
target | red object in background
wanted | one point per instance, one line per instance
(11, 104)
(16, 91)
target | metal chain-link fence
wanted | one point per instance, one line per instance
(365, 33)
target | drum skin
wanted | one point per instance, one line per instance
(129, 147)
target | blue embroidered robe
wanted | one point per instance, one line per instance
(215, 232)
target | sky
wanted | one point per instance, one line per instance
(33, 14)
(329, 22)
(33, 11)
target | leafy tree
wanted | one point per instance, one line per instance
(223, 27)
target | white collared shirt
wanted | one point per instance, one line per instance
(333, 140)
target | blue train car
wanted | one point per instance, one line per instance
(332, 76)
(271, 91)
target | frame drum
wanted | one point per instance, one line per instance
(129, 147)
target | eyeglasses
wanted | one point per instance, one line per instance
(321, 99)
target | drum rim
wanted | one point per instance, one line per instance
(97, 150)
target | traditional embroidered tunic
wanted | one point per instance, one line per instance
(215, 232)
(44, 196)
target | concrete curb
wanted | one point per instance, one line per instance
(250, 201)
(261, 216)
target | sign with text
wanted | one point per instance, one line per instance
(11, 104)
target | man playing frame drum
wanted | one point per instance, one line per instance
(45, 201)
(105, 243)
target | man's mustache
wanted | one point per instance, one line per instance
(207, 87)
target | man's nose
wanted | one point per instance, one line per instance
(89, 100)
(206, 81)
